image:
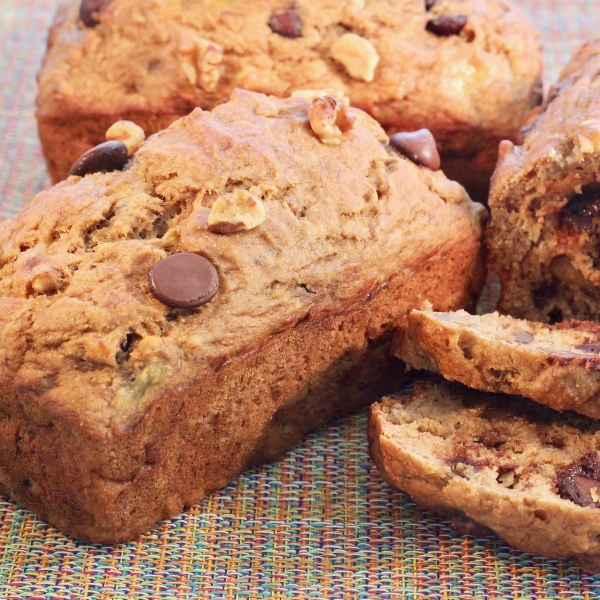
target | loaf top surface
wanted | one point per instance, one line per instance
(151, 56)
(563, 134)
(95, 346)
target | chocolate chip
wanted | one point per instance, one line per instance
(429, 4)
(446, 26)
(577, 481)
(419, 146)
(593, 348)
(466, 526)
(89, 9)
(523, 337)
(184, 280)
(103, 158)
(287, 24)
(126, 346)
(582, 208)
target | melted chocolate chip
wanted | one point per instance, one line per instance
(466, 526)
(582, 208)
(184, 280)
(287, 24)
(429, 4)
(577, 481)
(89, 9)
(446, 26)
(592, 348)
(103, 158)
(419, 146)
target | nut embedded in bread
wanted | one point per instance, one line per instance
(557, 365)
(128, 394)
(528, 473)
(544, 235)
(152, 62)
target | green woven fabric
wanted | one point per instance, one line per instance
(318, 524)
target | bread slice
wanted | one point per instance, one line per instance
(544, 235)
(557, 365)
(528, 473)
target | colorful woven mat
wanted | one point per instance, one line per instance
(318, 524)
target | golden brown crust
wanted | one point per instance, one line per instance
(161, 406)
(554, 365)
(543, 235)
(436, 446)
(471, 90)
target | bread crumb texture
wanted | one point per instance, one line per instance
(502, 461)
(544, 236)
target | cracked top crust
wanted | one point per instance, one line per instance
(82, 337)
(151, 56)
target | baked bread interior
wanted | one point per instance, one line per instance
(495, 462)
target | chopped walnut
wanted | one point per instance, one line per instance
(238, 211)
(589, 136)
(129, 133)
(329, 119)
(357, 55)
(201, 61)
(46, 280)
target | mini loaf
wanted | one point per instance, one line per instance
(235, 285)
(495, 462)
(557, 365)
(466, 69)
(544, 236)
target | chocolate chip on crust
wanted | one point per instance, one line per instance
(287, 24)
(580, 481)
(89, 9)
(103, 158)
(446, 26)
(184, 280)
(419, 146)
(429, 4)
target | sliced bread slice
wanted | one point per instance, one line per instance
(557, 365)
(530, 474)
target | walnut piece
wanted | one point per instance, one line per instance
(238, 211)
(201, 61)
(129, 133)
(589, 136)
(357, 55)
(46, 280)
(329, 119)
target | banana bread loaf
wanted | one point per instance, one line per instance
(495, 462)
(235, 285)
(465, 69)
(544, 236)
(557, 365)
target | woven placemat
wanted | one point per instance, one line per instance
(318, 524)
